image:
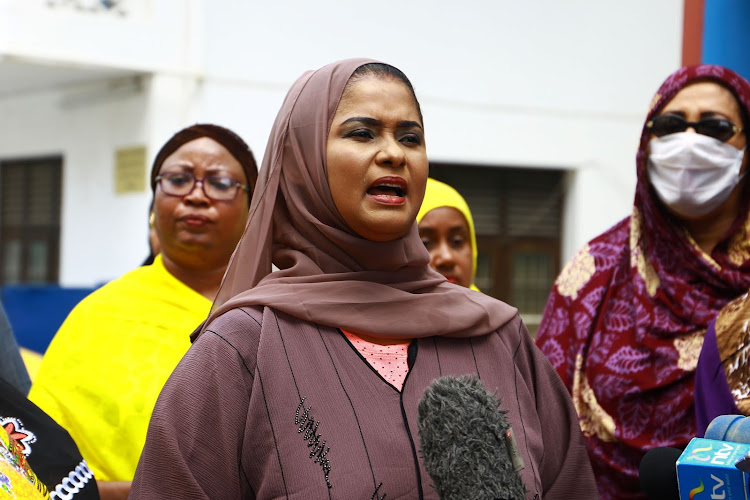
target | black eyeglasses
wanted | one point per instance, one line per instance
(718, 128)
(216, 187)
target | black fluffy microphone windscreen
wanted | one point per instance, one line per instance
(658, 473)
(464, 442)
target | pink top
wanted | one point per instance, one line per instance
(388, 360)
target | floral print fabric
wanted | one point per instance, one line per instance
(625, 321)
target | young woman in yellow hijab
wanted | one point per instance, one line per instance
(447, 230)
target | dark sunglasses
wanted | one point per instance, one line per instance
(718, 128)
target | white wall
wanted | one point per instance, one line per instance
(541, 83)
(151, 35)
(505, 83)
(99, 236)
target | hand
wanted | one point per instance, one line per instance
(113, 490)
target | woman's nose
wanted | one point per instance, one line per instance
(197, 194)
(392, 153)
(442, 255)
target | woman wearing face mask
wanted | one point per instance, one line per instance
(447, 231)
(626, 318)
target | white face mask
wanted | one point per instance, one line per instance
(693, 174)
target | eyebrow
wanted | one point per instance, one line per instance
(377, 123)
(451, 230)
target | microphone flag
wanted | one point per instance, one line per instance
(706, 469)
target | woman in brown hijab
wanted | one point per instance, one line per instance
(304, 382)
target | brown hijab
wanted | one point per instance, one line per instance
(328, 274)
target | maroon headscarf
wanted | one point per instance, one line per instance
(625, 321)
(328, 274)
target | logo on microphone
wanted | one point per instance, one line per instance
(710, 465)
(718, 488)
(700, 457)
(697, 490)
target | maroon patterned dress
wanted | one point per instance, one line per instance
(625, 321)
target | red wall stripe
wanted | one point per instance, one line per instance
(692, 32)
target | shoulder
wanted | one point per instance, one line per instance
(513, 333)
(240, 322)
(506, 338)
(611, 242)
(593, 263)
(106, 292)
(617, 234)
(237, 330)
(148, 293)
(236, 321)
(521, 347)
(736, 311)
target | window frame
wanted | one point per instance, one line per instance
(28, 231)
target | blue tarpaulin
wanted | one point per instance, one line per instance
(36, 312)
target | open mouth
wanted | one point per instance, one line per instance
(387, 190)
(390, 190)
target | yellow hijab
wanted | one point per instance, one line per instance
(438, 194)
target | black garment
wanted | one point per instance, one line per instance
(12, 368)
(49, 449)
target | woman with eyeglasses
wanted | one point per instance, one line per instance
(103, 370)
(625, 321)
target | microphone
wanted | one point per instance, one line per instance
(734, 428)
(658, 473)
(716, 464)
(706, 465)
(467, 446)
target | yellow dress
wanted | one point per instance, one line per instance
(105, 367)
